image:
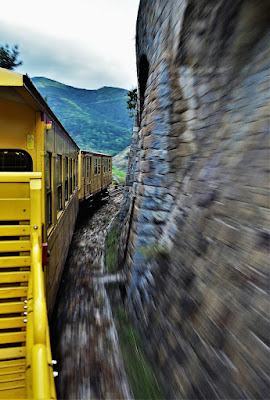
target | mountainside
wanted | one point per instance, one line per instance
(121, 159)
(96, 119)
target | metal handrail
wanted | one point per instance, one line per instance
(41, 382)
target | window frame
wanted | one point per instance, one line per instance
(70, 176)
(66, 179)
(48, 188)
(59, 181)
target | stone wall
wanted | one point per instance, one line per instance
(195, 215)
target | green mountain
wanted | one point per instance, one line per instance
(96, 119)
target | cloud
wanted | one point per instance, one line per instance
(91, 49)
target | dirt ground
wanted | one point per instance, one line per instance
(84, 338)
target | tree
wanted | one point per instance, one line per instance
(9, 57)
(132, 102)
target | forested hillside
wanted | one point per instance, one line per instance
(96, 119)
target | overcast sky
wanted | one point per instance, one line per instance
(83, 43)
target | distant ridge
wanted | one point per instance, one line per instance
(96, 119)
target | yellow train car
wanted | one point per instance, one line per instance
(38, 210)
(43, 175)
(95, 173)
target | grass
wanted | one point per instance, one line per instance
(139, 371)
(118, 176)
(111, 248)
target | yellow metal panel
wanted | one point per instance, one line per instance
(12, 261)
(13, 394)
(11, 364)
(14, 230)
(11, 277)
(10, 78)
(13, 369)
(12, 377)
(12, 322)
(19, 176)
(12, 337)
(9, 190)
(14, 209)
(12, 385)
(12, 352)
(12, 307)
(15, 245)
(13, 292)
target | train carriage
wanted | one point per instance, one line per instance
(43, 174)
(95, 173)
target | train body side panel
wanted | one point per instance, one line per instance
(96, 175)
(62, 193)
(18, 124)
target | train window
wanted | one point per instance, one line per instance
(48, 178)
(109, 164)
(99, 166)
(66, 179)
(70, 176)
(87, 166)
(74, 175)
(15, 161)
(95, 167)
(59, 182)
(104, 166)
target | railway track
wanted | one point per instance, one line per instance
(115, 190)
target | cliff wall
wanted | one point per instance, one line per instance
(196, 206)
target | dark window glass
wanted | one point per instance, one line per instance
(87, 166)
(95, 165)
(74, 175)
(15, 161)
(70, 177)
(59, 182)
(99, 166)
(48, 177)
(66, 179)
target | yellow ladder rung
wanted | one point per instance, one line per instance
(12, 370)
(12, 337)
(15, 245)
(15, 261)
(12, 385)
(12, 322)
(13, 292)
(12, 377)
(11, 277)
(12, 307)
(13, 394)
(12, 352)
(11, 363)
(14, 230)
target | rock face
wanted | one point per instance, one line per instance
(195, 211)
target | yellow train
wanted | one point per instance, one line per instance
(43, 176)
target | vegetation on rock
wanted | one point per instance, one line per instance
(132, 102)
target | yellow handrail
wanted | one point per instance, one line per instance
(24, 204)
(40, 380)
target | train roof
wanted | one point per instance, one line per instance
(14, 79)
(94, 153)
